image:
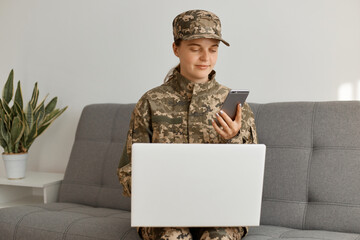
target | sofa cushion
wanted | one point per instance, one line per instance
(277, 233)
(286, 129)
(90, 176)
(65, 221)
(312, 165)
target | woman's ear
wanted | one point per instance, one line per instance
(175, 49)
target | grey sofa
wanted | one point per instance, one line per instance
(311, 184)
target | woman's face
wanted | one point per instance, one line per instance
(197, 58)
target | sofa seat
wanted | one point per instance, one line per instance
(68, 221)
(265, 232)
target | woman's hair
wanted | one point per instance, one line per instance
(170, 74)
(177, 42)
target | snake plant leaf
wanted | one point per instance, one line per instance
(52, 116)
(45, 125)
(40, 115)
(53, 113)
(30, 115)
(43, 128)
(3, 143)
(19, 112)
(40, 109)
(4, 118)
(26, 133)
(8, 90)
(35, 96)
(1, 127)
(51, 106)
(8, 115)
(16, 149)
(2, 111)
(4, 133)
(31, 137)
(6, 108)
(17, 130)
(18, 96)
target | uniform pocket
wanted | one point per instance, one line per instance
(167, 119)
(168, 129)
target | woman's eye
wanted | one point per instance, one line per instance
(213, 50)
(194, 49)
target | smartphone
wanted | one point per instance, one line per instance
(232, 100)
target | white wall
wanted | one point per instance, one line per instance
(92, 51)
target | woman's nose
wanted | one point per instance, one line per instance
(204, 56)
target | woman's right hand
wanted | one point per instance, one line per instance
(228, 128)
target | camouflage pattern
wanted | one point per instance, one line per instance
(208, 233)
(194, 24)
(180, 111)
(167, 233)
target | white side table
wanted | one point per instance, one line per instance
(36, 187)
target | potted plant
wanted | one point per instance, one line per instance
(19, 128)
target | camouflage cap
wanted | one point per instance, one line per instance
(194, 24)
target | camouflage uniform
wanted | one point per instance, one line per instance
(221, 233)
(180, 111)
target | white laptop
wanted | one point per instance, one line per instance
(196, 185)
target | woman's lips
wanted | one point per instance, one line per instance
(202, 67)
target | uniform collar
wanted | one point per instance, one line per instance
(189, 88)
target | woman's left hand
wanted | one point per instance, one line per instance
(229, 128)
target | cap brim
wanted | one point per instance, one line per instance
(206, 36)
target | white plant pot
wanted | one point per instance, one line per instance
(15, 165)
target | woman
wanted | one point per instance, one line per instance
(182, 110)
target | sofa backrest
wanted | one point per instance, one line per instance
(90, 176)
(312, 169)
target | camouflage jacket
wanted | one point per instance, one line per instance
(180, 111)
